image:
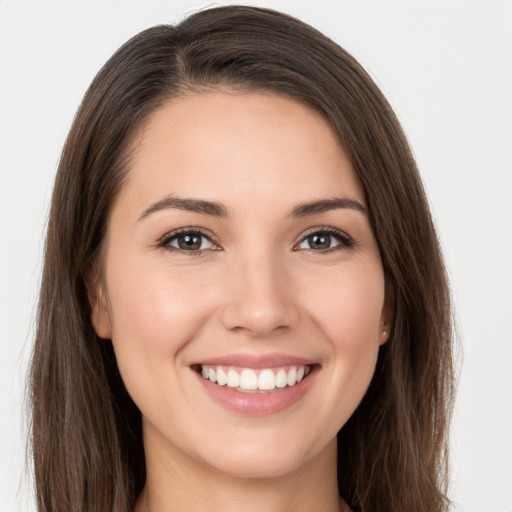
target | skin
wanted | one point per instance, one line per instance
(255, 287)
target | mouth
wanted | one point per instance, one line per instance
(255, 380)
(256, 385)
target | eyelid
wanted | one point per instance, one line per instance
(163, 241)
(346, 241)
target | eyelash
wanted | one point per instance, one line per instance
(345, 241)
(165, 241)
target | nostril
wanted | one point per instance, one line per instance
(259, 319)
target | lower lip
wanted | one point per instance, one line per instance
(257, 404)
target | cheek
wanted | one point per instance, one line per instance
(348, 312)
(348, 307)
(153, 316)
(350, 318)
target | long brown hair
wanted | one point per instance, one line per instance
(86, 431)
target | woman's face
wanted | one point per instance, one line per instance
(240, 248)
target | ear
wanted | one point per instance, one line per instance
(387, 316)
(100, 315)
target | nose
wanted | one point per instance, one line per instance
(259, 298)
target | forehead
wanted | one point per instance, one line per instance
(238, 147)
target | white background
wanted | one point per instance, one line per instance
(446, 67)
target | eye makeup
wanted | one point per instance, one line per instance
(194, 240)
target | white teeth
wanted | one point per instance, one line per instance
(221, 377)
(233, 379)
(281, 379)
(291, 377)
(266, 380)
(249, 380)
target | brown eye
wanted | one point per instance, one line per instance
(188, 241)
(319, 241)
(325, 240)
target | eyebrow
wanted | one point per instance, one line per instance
(324, 205)
(218, 210)
(191, 205)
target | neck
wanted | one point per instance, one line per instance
(175, 482)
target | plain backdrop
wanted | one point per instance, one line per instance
(445, 66)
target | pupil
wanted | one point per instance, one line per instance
(319, 241)
(190, 242)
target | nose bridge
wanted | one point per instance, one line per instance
(259, 300)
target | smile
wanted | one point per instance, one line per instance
(256, 385)
(248, 380)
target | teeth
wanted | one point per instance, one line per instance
(291, 377)
(266, 380)
(281, 379)
(249, 380)
(233, 379)
(221, 377)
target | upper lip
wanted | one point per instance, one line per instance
(255, 361)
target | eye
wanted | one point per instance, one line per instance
(324, 240)
(188, 241)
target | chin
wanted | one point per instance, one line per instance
(269, 458)
(258, 466)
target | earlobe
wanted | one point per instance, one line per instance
(386, 319)
(100, 315)
(384, 335)
(385, 326)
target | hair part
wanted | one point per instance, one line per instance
(86, 434)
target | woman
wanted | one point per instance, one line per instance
(243, 302)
